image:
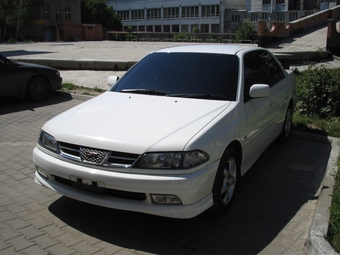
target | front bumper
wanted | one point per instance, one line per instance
(56, 83)
(194, 189)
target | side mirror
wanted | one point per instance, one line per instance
(259, 90)
(112, 80)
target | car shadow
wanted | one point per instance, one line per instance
(272, 192)
(11, 104)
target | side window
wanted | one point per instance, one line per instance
(253, 73)
(273, 71)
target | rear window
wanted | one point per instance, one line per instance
(184, 74)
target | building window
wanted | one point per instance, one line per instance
(154, 13)
(215, 28)
(253, 16)
(68, 12)
(205, 28)
(293, 16)
(185, 28)
(124, 15)
(281, 16)
(149, 28)
(266, 1)
(166, 28)
(265, 16)
(280, 1)
(137, 14)
(190, 12)
(171, 13)
(210, 11)
(47, 12)
(141, 28)
(158, 28)
(175, 28)
(235, 18)
(58, 12)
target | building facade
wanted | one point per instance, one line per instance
(285, 10)
(210, 16)
(172, 16)
(53, 17)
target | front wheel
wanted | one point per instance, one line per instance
(37, 88)
(225, 181)
(287, 126)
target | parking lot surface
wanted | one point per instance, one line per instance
(272, 212)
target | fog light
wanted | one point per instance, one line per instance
(42, 172)
(166, 199)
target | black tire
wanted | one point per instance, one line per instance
(287, 126)
(37, 88)
(225, 181)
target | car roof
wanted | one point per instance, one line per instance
(209, 48)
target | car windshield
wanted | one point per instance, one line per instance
(193, 75)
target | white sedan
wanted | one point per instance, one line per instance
(173, 136)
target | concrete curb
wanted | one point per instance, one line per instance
(66, 64)
(90, 64)
(316, 243)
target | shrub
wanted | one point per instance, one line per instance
(319, 92)
(245, 32)
(130, 35)
(180, 37)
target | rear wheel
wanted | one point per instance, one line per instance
(287, 126)
(37, 88)
(225, 181)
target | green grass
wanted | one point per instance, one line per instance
(70, 87)
(316, 125)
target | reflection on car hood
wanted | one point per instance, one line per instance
(33, 65)
(134, 123)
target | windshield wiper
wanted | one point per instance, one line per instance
(204, 96)
(145, 91)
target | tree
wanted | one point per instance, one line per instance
(98, 12)
(19, 13)
(27, 12)
(6, 16)
(245, 32)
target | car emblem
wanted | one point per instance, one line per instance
(93, 156)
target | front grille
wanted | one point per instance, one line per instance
(97, 156)
(89, 155)
(105, 191)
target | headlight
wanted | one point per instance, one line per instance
(172, 160)
(47, 141)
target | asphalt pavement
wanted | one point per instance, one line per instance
(281, 207)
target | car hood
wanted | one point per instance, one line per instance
(134, 123)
